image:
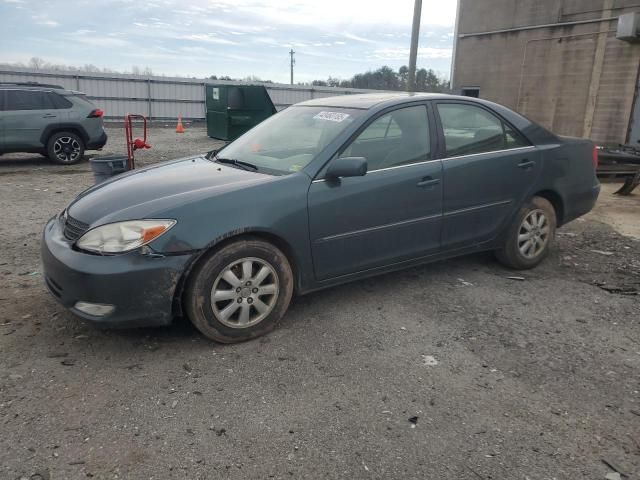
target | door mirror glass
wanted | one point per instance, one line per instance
(347, 167)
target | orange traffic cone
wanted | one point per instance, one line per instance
(179, 127)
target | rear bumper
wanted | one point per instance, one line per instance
(580, 202)
(98, 143)
(140, 287)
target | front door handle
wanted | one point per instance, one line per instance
(49, 115)
(428, 182)
(526, 164)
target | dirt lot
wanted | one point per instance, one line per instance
(451, 370)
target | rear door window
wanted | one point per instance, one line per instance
(469, 130)
(27, 100)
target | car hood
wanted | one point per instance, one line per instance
(146, 192)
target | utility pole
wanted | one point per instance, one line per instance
(293, 62)
(413, 52)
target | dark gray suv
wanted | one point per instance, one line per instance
(47, 119)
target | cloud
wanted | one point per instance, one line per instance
(229, 37)
(236, 27)
(357, 38)
(44, 20)
(401, 53)
(331, 13)
(207, 38)
(101, 42)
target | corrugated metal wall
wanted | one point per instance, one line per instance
(157, 97)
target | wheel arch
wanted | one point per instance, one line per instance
(556, 202)
(63, 127)
(267, 236)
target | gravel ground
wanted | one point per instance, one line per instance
(451, 370)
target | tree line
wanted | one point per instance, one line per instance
(386, 78)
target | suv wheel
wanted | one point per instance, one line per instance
(65, 148)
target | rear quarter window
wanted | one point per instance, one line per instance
(59, 101)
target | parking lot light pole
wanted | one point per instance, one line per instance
(413, 52)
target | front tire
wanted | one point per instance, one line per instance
(530, 236)
(239, 292)
(65, 148)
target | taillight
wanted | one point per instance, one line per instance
(594, 158)
(96, 113)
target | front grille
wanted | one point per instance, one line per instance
(74, 229)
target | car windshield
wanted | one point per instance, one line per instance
(288, 141)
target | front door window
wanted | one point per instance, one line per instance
(397, 138)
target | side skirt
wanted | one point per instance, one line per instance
(394, 267)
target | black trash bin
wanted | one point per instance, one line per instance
(108, 166)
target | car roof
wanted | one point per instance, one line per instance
(380, 101)
(369, 100)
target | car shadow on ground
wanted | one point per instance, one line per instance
(30, 161)
(181, 330)
(36, 160)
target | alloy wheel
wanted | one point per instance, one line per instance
(66, 149)
(533, 234)
(245, 292)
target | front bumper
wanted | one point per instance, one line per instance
(140, 287)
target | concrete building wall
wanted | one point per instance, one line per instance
(574, 78)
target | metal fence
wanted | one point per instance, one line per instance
(158, 97)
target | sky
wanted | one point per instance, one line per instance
(239, 38)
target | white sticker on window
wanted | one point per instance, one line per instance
(332, 116)
(216, 93)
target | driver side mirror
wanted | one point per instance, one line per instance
(347, 167)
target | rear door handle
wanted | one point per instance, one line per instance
(526, 164)
(49, 115)
(428, 182)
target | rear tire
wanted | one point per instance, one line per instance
(530, 236)
(65, 148)
(239, 292)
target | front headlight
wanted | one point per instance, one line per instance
(123, 236)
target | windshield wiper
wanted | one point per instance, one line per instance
(238, 163)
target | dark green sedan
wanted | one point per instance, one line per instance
(325, 192)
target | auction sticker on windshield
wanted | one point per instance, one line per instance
(332, 116)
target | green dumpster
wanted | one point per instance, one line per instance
(234, 109)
